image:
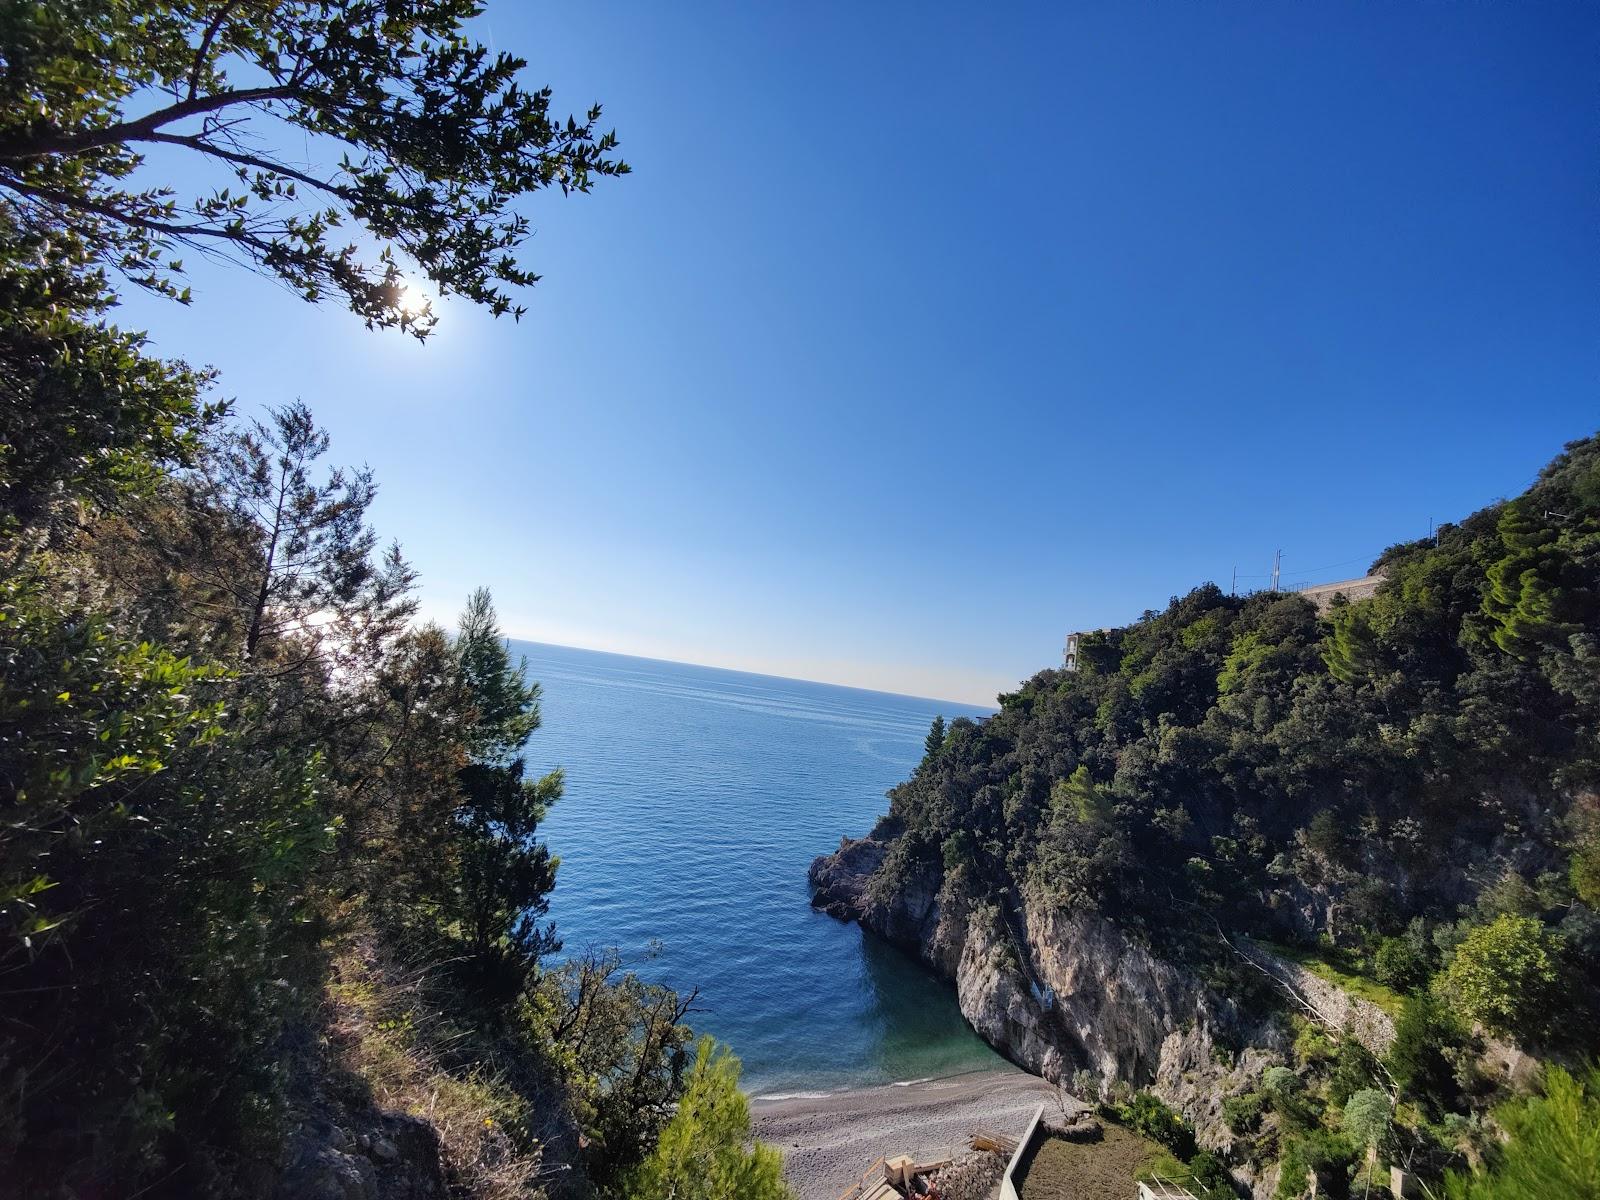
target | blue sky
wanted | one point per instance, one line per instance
(922, 334)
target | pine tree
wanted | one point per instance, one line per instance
(1541, 592)
(702, 1153)
(506, 875)
(1554, 1148)
(1351, 648)
(1078, 798)
(307, 572)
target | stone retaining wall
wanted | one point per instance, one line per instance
(1333, 1006)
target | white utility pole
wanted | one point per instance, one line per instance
(1277, 565)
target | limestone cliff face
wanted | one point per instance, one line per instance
(1058, 992)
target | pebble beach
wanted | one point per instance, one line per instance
(828, 1141)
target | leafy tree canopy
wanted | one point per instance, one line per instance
(420, 141)
(1366, 1117)
(85, 411)
(1505, 975)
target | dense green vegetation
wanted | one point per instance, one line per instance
(1144, 1113)
(1554, 1148)
(1400, 793)
(270, 847)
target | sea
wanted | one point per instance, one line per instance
(695, 800)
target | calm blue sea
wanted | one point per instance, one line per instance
(696, 798)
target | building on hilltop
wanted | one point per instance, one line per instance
(1322, 594)
(1069, 655)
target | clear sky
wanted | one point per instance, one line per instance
(922, 334)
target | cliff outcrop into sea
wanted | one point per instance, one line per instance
(1058, 993)
(1357, 841)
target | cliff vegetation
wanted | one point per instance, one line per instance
(272, 891)
(1395, 802)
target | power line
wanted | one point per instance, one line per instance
(1304, 570)
(1366, 558)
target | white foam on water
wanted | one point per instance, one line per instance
(793, 1096)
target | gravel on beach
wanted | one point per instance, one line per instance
(828, 1141)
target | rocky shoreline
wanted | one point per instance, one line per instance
(1059, 993)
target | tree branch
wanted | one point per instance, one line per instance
(205, 45)
(111, 135)
(238, 158)
(85, 204)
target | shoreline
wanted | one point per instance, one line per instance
(774, 1099)
(828, 1140)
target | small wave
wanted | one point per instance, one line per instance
(913, 1082)
(792, 1096)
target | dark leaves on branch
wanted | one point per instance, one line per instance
(411, 143)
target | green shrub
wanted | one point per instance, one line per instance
(1208, 1177)
(1399, 965)
(152, 869)
(1419, 1058)
(957, 851)
(1583, 873)
(1243, 1113)
(1375, 905)
(1312, 1044)
(1328, 835)
(1326, 1154)
(1506, 976)
(1355, 1069)
(1146, 1114)
(1286, 1092)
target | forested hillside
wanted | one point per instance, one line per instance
(272, 894)
(1404, 793)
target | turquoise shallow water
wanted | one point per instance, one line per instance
(696, 799)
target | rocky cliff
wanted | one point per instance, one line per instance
(1058, 993)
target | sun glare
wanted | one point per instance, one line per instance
(414, 299)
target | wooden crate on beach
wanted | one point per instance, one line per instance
(870, 1178)
(893, 1179)
(995, 1143)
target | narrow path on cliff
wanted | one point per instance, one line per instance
(1015, 930)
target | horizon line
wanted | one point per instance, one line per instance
(681, 662)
